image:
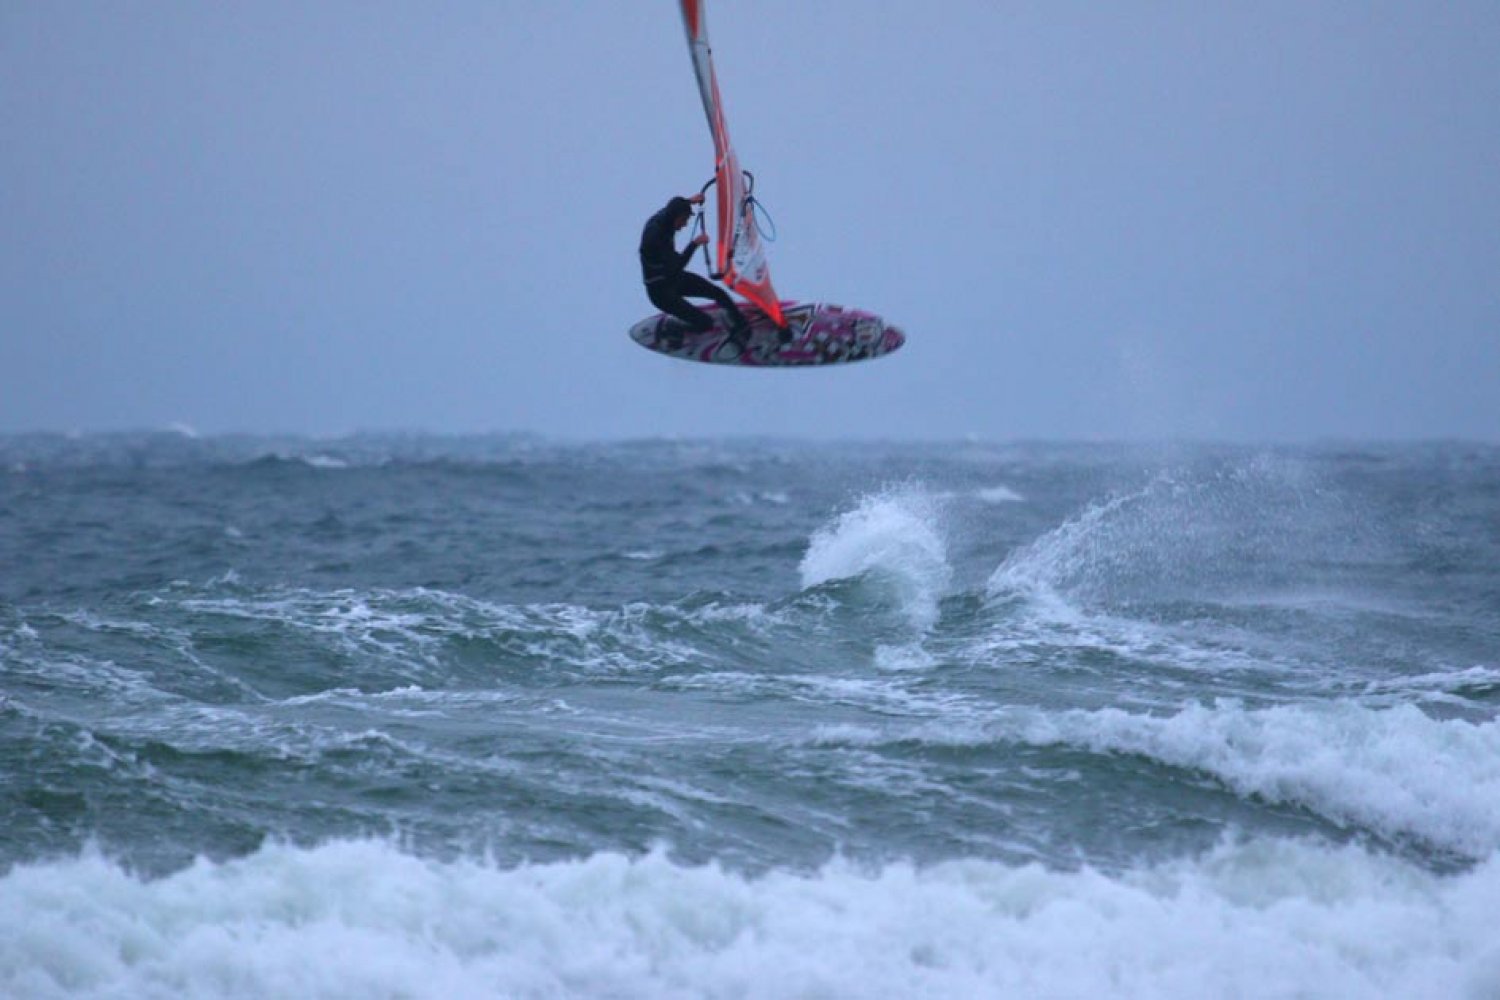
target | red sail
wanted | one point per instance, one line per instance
(740, 258)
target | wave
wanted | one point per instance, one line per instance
(423, 635)
(1255, 526)
(893, 539)
(1268, 918)
(1474, 684)
(1395, 772)
(999, 494)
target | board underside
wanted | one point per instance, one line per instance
(820, 334)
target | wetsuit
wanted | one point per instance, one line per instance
(668, 282)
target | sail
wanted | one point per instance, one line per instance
(739, 259)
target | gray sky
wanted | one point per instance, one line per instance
(1263, 221)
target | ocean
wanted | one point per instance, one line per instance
(498, 716)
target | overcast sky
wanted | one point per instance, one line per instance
(1244, 221)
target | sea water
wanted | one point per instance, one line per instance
(407, 716)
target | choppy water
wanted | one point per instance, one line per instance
(412, 716)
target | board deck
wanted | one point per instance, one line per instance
(819, 334)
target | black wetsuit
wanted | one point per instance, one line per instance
(664, 270)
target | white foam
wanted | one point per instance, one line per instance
(1264, 919)
(893, 537)
(999, 494)
(1396, 771)
(907, 656)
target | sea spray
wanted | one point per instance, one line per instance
(1211, 529)
(892, 538)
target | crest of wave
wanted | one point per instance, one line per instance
(1213, 529)
(1397, 771)
(893, 539)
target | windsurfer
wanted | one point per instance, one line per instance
(664, 270)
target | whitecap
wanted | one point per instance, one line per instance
(893, 537)
(1395, 771)
(1268, 918)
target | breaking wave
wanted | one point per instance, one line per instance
(893, 539)
(1271, 918)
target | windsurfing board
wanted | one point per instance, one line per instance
(817, 334)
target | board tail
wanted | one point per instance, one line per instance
(740, 259)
